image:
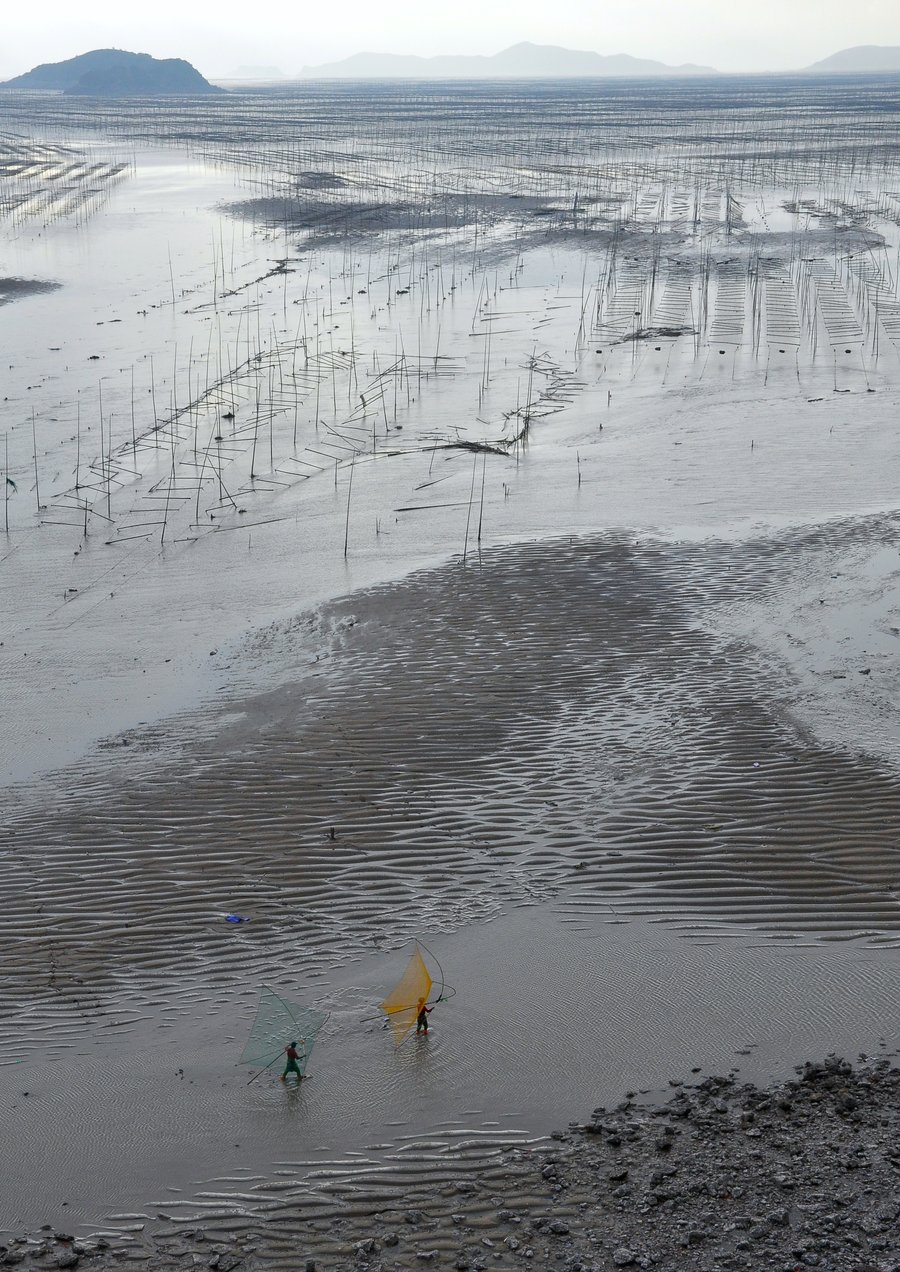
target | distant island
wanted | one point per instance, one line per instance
(521, 61)
(863, 59)
(115, 73)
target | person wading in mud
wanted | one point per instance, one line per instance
(422, 1014)
(293, 1055)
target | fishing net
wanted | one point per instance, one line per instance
(277, 1024)
(403, 1003)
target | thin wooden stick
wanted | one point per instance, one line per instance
(347, 522)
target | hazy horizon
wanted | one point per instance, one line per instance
(217, 39)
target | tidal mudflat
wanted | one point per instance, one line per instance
(455, 511)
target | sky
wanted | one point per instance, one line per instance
(218, 36)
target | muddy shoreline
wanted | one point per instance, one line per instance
(798, 1174)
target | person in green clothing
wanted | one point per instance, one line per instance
(422, 1013)
(293, 1055)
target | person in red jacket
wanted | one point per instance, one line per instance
(293, 1055)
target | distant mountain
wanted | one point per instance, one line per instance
(521, 61)
(115, 73)
(861, 60)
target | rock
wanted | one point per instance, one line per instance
(559, 1228)
(390, 1239)
(623, 1257)
(68, 1259)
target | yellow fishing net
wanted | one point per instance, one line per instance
(405, 1000)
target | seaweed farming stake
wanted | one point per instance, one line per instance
(162, 535)
(133, 430)
(153, 401)
(78, 441)
(7, 481)
(481, 505)
(469, 513)
(109, 455)
(349, 492)
(37, 489)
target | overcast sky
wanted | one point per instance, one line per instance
(219, 36)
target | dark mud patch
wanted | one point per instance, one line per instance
(18, 288)
(336, 218)
(657, 333)
(328, 220)
(320, 181)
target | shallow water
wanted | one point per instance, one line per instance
(548, 1022)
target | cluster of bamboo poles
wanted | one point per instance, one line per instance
(47, 183)
(415, 194)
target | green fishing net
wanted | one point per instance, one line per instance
(278, 1024)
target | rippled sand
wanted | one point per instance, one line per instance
(522, 753)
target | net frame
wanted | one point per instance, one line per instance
(403, 1003)
(279, 1022)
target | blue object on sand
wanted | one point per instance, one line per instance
(234, 918)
